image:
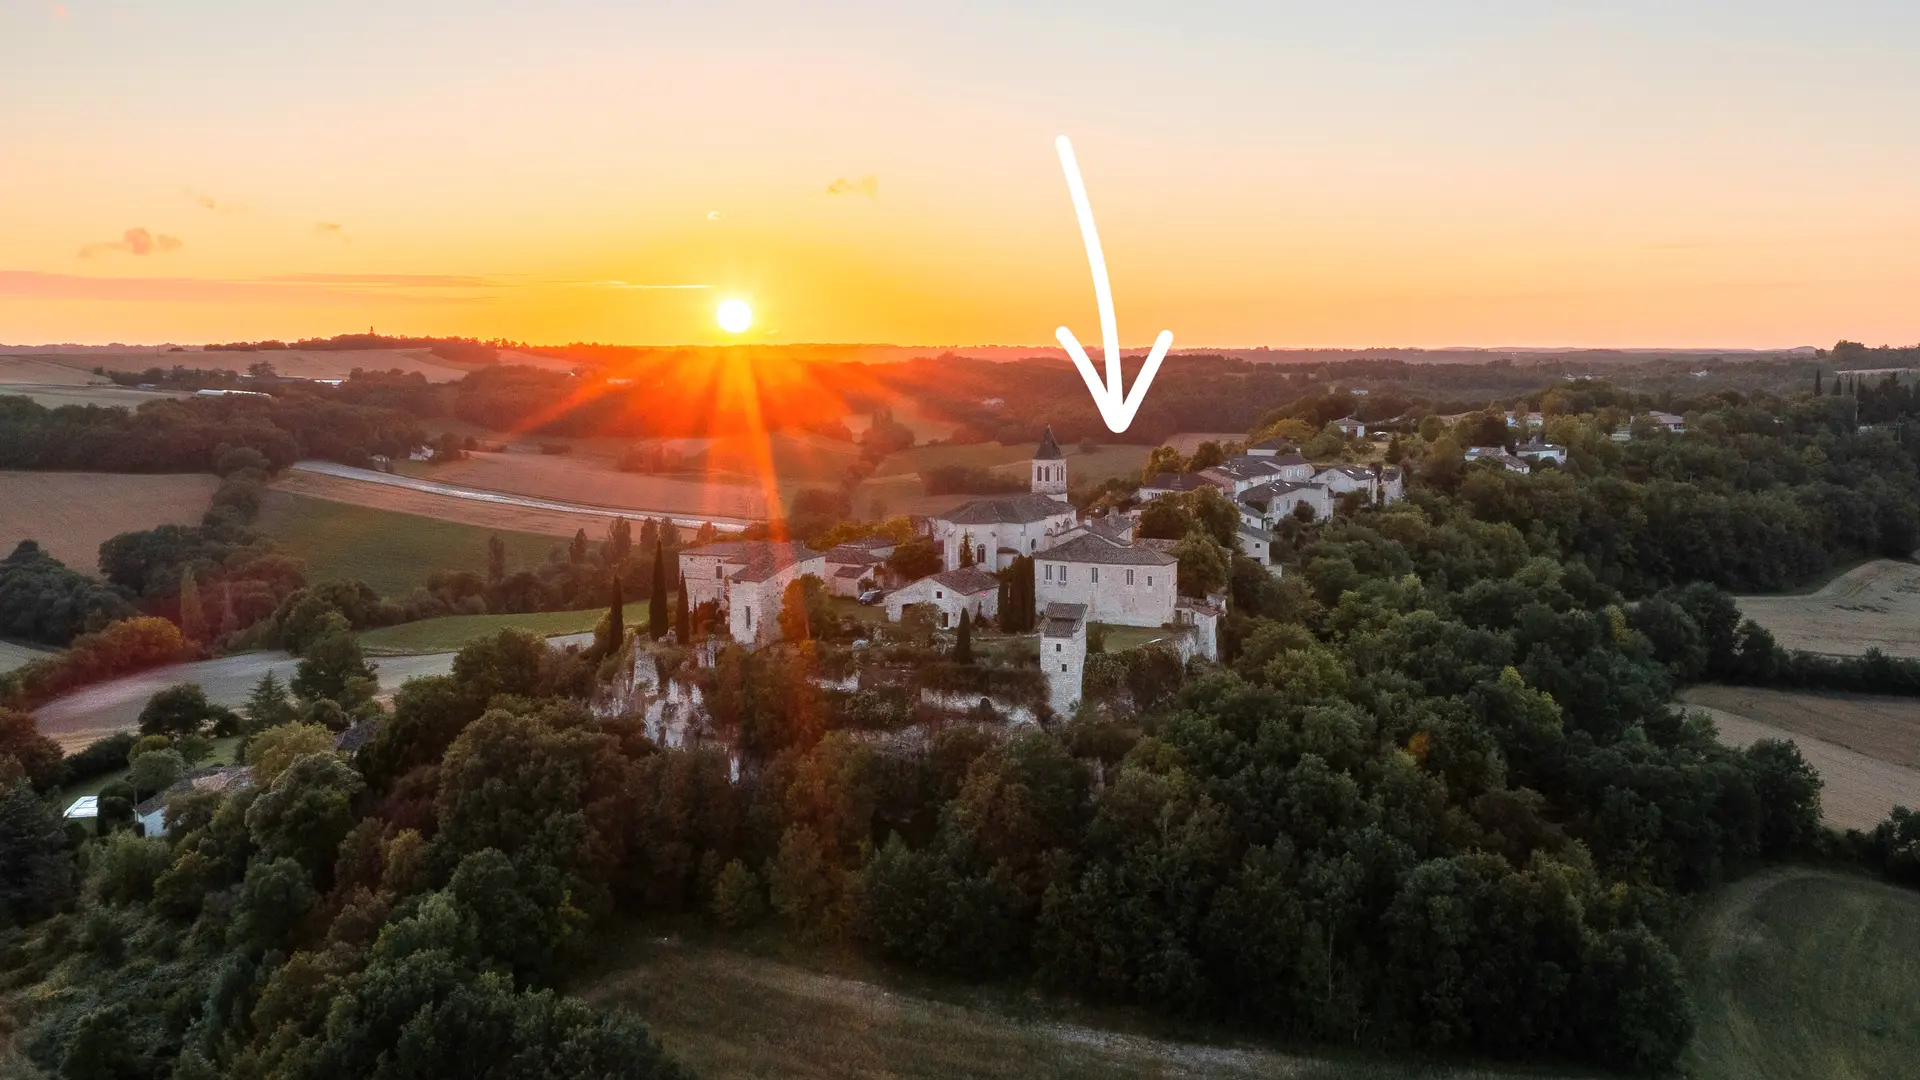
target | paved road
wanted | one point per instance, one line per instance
(90, 712)
(502, 498)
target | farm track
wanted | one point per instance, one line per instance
(77, 719)
(443, 493)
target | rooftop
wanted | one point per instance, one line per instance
(1048, 450)
(1062, 620)
(853, 555)
(1090, 548)
(968, 580)
(1007, 510)
(764, 558)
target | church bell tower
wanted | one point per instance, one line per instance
(1049, 468)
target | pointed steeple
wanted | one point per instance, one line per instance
(1049, 467)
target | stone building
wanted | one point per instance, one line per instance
(1063, 653)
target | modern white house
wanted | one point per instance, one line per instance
(748, 579)
(949, 593)
(1256, 544)
(1351, 428)
(1498, 455)
(1063, 653)
(1268, 504)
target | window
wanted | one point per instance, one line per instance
(749, 618)
(938, 595)
(943, 620)
(1063, 667)
(1049, 571)
(1129, 577)
(1056, 646)
(719, 573)
(1033, 545)
(1093, 574)
(1149, 581)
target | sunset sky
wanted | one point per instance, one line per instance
(1350, 174)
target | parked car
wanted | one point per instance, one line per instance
(873, 596)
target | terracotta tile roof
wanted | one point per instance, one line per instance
(763, 559)
(1166, 481)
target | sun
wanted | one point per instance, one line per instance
(734, 316)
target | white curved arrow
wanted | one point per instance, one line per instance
(1116, 406)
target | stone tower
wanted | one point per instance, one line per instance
(1049, 468)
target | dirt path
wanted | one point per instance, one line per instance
(1858, 792)
(78, 718)
(442, 493)
(1874, 605)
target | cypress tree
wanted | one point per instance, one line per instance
(616, 619)
(966, 549)
(193, 616)
(963, 640)
(682, 618)
(1816, 382)
(657, 601)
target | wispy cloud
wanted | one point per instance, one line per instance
(331, 230)
(214, 203)
(44, 286)
(868, 185)
(134, 242)
(713, 215)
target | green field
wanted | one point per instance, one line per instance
(450, 633)
(1122, 638)
(223, 754)
(728, 1014)
(392, 552)
(1804, 974)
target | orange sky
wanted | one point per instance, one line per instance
(1359, 174)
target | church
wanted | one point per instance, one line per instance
(1098, 565)
(1003, 526)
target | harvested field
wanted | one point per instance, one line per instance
(1858, 791)
(562, 478)
(31, 370)
(729, 1015)
(72, 514)
(1876, 604)
(394, 552)
(18, 656)
(1188, 441)
(1887, 728)
(1799, 973)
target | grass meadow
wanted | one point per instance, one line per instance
(450, 633)
(390, 551)
(1809, 975)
